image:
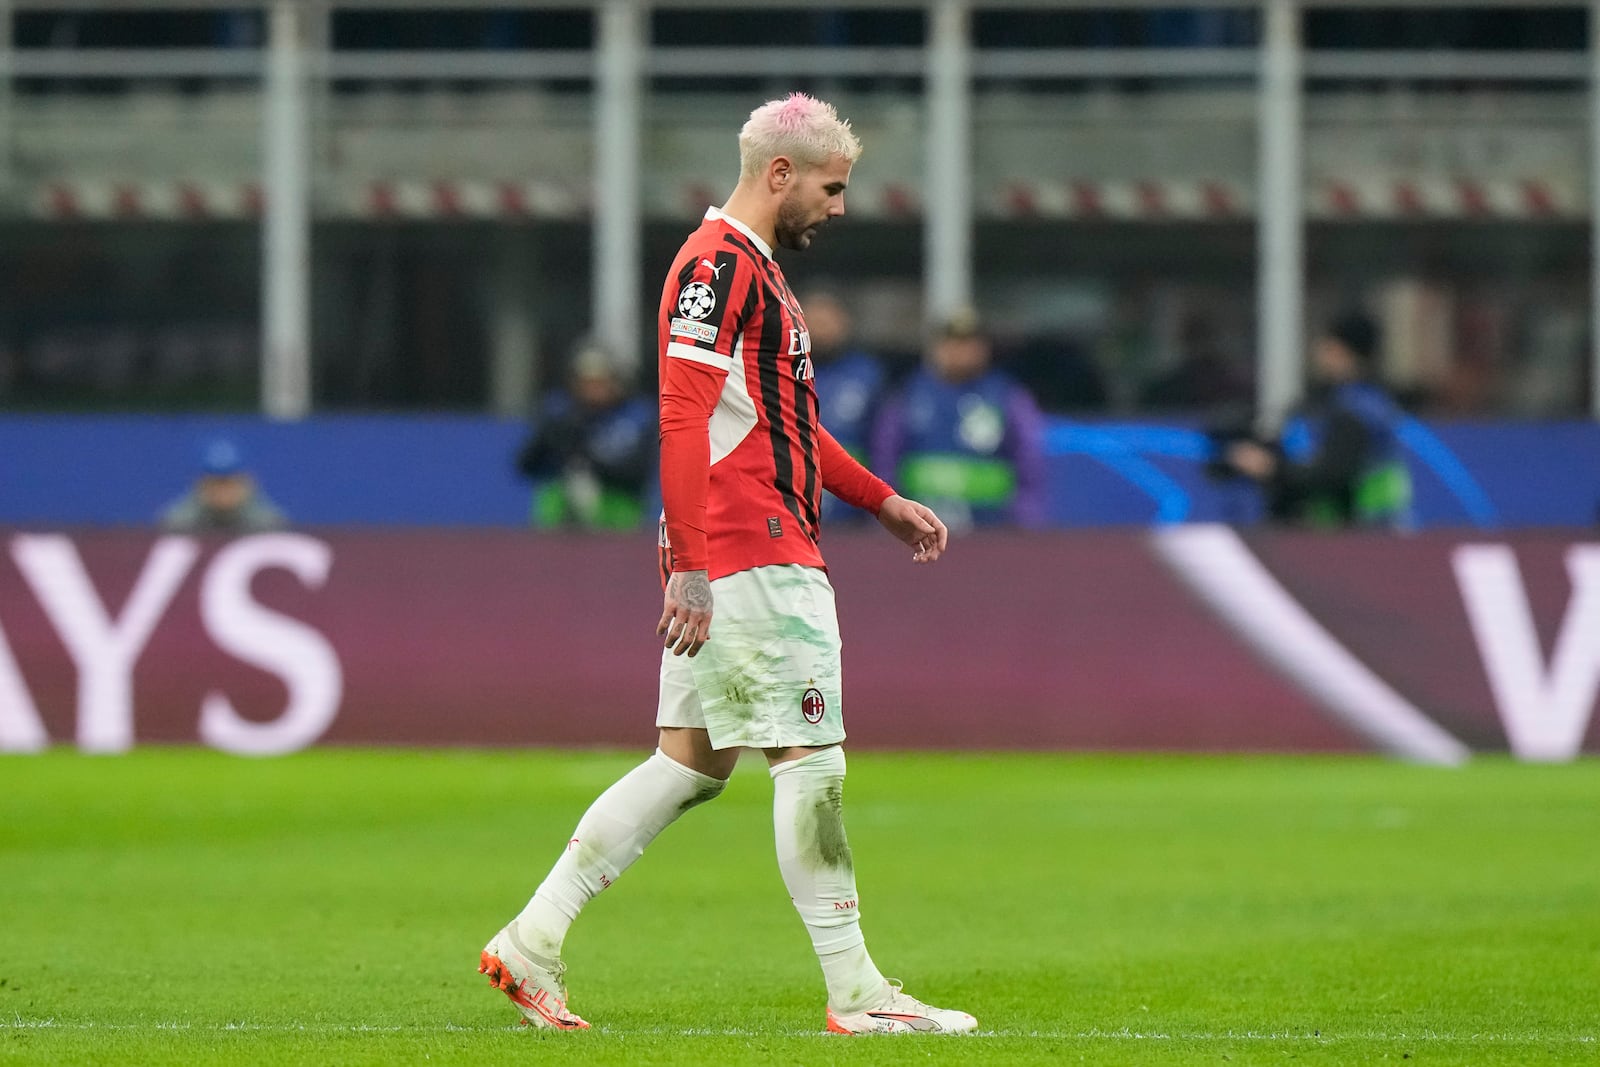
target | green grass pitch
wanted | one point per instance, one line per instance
(183, 907)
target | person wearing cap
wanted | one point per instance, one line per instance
(963, 435)
(591, 456)
(224, 499)
(1339, 461)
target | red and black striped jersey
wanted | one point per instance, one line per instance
(737, 382)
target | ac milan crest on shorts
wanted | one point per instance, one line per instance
(774, 649)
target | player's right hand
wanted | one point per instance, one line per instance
(686, 612)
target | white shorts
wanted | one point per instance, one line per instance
(769, 676)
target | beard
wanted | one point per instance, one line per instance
(793, 229)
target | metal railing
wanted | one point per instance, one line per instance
(297, 56)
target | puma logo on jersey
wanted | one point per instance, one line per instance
(716, 271)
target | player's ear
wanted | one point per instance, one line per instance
(780, 172)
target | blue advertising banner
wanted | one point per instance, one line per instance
(441, 470)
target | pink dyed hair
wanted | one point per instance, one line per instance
(805, 129)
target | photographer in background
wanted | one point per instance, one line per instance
(1338, 462)
(592, 453)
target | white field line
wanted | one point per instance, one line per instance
(20, 1023)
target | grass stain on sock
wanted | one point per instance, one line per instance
(701, 795)
(820, 830)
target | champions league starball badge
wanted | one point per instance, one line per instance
(696, 301)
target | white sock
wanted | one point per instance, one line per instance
(814, 856)
(610, 836)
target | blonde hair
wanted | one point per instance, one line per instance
(801, 127)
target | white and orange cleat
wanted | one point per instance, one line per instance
(901, 1013)
(533, 984)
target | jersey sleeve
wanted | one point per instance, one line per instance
(704, 320)
(700, 329)
(848, 480)
(689, 391)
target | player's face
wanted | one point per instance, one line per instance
(816, 195)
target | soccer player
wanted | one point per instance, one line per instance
(744, 461)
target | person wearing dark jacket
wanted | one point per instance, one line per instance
(1339, 461)
(851, 382)
(592, 453)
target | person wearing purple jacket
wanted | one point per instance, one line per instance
(964, 436)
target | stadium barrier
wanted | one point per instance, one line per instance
(459, 470)
(1189, 637)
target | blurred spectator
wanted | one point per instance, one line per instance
(1339, 461)
(1204, 376)
(224, 499)
(962, 437)
(592, 453)
(1061, 373)
(850, 383)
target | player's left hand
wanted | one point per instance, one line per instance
(916, 525)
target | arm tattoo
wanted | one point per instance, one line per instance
(694, 590)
